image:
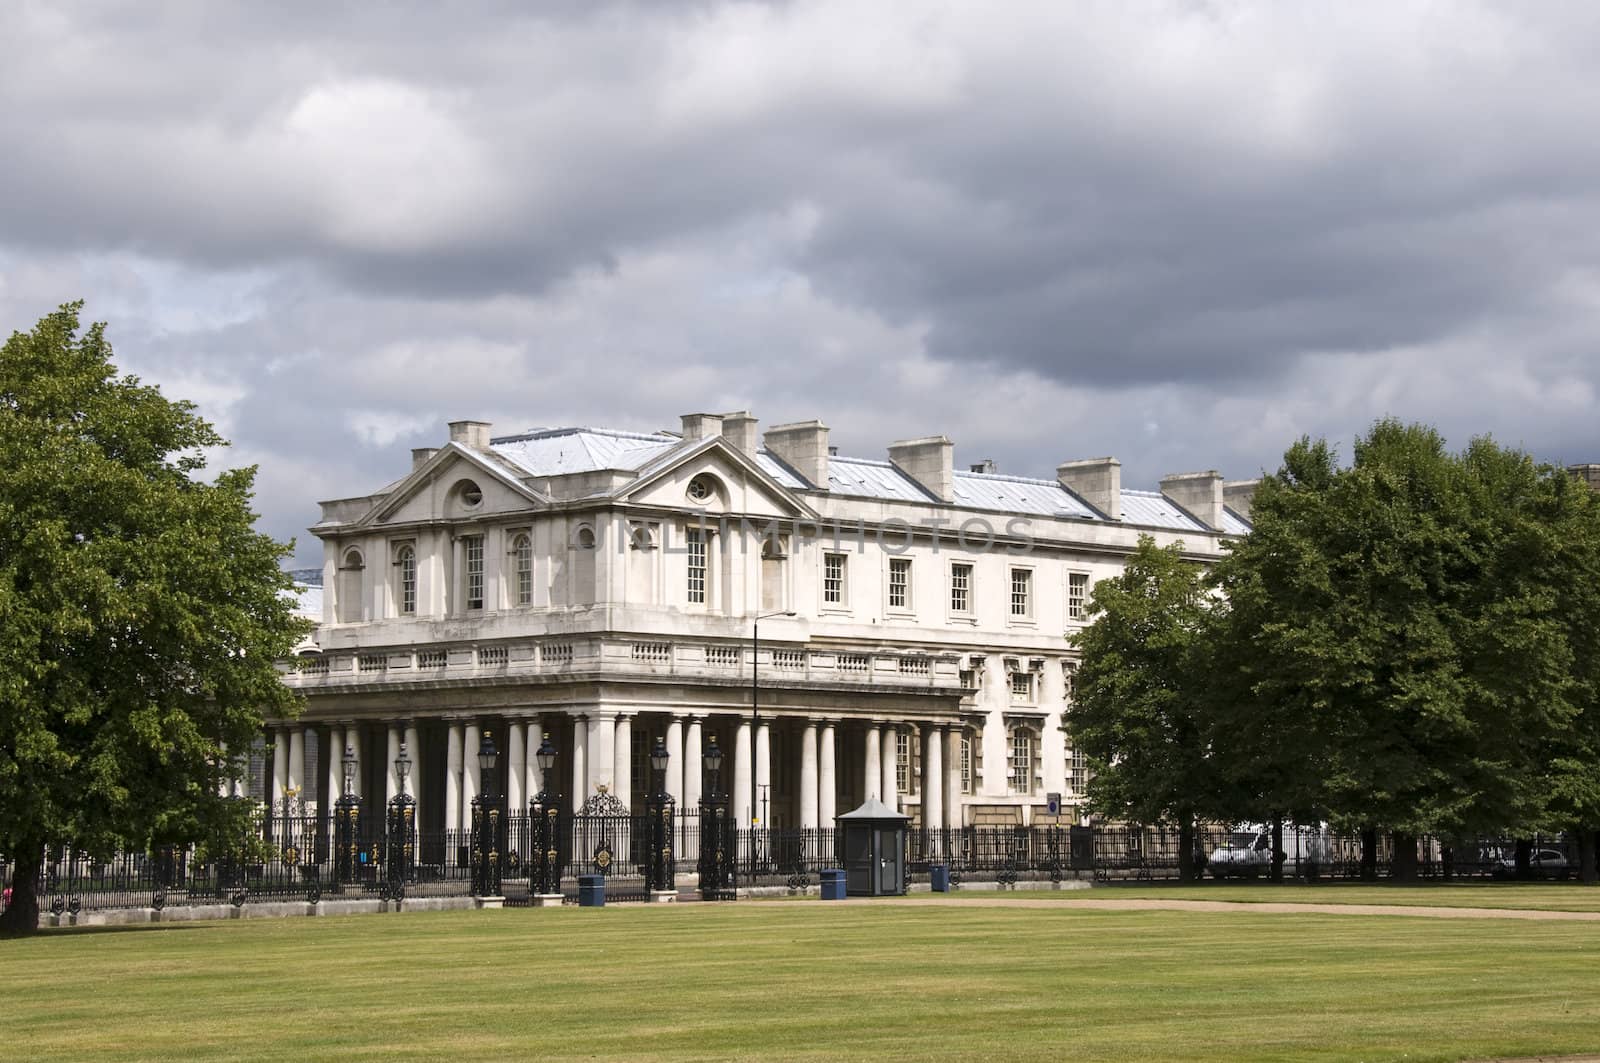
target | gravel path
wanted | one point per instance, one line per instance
(1266, 907)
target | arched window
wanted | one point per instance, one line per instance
(405, 561)
(352, 570)
(584, 540)
(641, 538)
(522, 568)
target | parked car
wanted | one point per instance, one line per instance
(1243, 855)
(1542, 863)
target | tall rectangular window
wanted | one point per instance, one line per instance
(1020, 763)
(966, 763)
(1077, 594)
(472, 550)
(899, 583)
(960, 588)
(1022, 687)
(902, 762)
(1077, 771)
(696, 540)
(1021, 592)
(522, 557)
(406, 561)
(833, 579)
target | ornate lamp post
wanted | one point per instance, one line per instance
(716, 832)
(544, 824)
(346, 826)
(488, 824)
(402, 831)
(661, 869)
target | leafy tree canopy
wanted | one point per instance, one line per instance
(141, 615)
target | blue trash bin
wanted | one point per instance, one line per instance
(939, 875)
(591, 891)
(833, 884)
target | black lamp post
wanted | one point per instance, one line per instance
(347, 826)
(544, 822)
(717, 835)
(402, 833)
(658, 808)
(488, 824)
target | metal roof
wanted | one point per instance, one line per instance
(779, 471)
(559, 451)
(307, 601)
(1017, 494)
(873, 479)
(1233, 524)
(1155, 510)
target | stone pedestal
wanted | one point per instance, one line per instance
(547, 900)
(663, 896)
(488, 902)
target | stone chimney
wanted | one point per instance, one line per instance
(1238, 494)
(1098, 481)
(1198, 492)
(701, 425)
(474, 434)
(739, 429)
(803, 446)
(930, 462)
(420, 456)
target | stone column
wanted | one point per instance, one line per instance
(602, 750)
(933, 778)
(739, 795)
(516, 763)
(872, 763)
(414, 751)
(891, 796)
(307, 765)
(808, 776)
(453, 770)
(471, 774)
(827, 781)
(764, 793)
(391, 788)
(580, 761)
(296, 777)
(692, 778)
(675, 761)
(953, 816)
(622, 761)
(280, 766)
(332, 769)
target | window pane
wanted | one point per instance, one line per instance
(1077, 592)
(1021, 761)
(408, 581)
(899, 583)
(960, 588)
(697, 566)
(523, 551)
(1021, 585)
(474, 555)
(833, 579)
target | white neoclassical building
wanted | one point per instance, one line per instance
(604, 587)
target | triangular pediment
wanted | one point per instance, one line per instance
(445, 486)
(737, 485)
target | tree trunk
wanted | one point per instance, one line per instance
(21, 916)
(1447, 862)
(1524, 858)
(1369, 855)
(1586, 863)
(1404, 868)
(1185, 847)
(1277, 849)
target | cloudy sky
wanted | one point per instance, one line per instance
(1182, 233)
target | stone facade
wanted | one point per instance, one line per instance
(605, 588)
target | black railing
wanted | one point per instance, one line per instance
(291, 858)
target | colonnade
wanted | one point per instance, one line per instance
(599, 754)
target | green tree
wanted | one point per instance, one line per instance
(1392, 637)
(1139, 694)
(141, 615)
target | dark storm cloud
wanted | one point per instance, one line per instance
(1183, 233)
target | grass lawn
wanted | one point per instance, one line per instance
(1560, 897)
(807, 981)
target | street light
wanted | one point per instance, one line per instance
(544, 820)
(659, 810)
(346, 825)
(717, 835)
(402, 831)
(486, 823)
(755, 704)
